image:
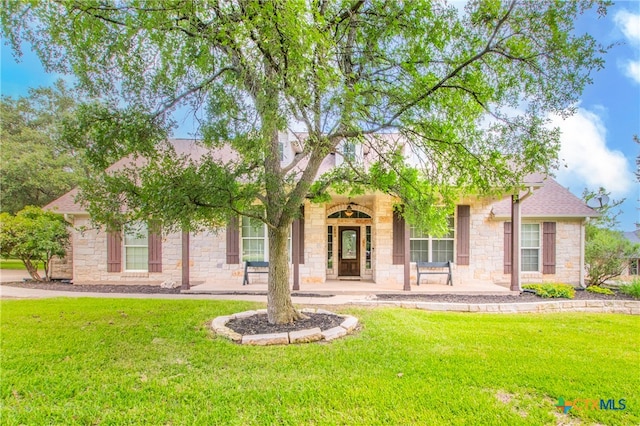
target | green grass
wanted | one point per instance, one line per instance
(15, 264)
(125, 361)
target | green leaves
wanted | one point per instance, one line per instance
(33, 236)
(37, 165)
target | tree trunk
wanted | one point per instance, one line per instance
(280, 309)
(31, 269)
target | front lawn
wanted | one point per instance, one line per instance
(16, 264)
(125, 361)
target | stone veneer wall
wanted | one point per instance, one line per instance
(384, 269)
(62, 269)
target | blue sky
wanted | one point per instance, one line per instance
(597, 145)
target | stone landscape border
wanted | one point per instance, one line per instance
(629, 307)
(219, 325)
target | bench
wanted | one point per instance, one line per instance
(254, 265)
(430, 268)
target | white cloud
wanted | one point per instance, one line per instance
(589, 162)
(629, 25)
(632, 70)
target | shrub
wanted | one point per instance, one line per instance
(632, 289)
(552, 290)
(599, 290)
(34, 236)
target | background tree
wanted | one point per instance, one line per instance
(34, 236)
(36, 166)
(468, 91)
(607, 251)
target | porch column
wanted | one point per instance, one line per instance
(185, 261)
(295, 253)
(515, 242)
(407, 257)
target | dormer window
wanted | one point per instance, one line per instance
(349, 151)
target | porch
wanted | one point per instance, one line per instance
(347, 287)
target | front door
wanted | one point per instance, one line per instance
(349, 251)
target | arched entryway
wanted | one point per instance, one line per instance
(349, 242)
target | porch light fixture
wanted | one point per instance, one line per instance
(349, 211)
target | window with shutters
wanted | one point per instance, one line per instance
(136, 247)
(530, 247)
(425, 248)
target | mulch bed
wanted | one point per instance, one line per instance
(521, 298)
(258, 324)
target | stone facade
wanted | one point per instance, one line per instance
(208, 250)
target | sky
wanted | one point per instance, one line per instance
(597, 141)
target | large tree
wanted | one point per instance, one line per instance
(469, 91)
(36, 165)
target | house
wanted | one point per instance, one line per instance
(359, 238)
(632, 271)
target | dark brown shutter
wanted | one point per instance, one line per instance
(507, 248)
(300, 236)
(155, 247)
(398, 238)
(549, 248)
(233, 242)
(114, 251)
(463, 235)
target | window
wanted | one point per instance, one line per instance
(349, 214)
(281, 150)
(255, 246)
(349, 151)
(136, 247)
(633, 267)
(254, 240)
(330, 247)
(367, 264)
(530, 248)
(425, 248)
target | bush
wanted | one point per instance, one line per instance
(552, 290)
(34, 236)
(632, 289)
(599, 290)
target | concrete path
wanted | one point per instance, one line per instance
(8, 292)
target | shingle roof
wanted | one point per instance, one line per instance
(633, 236)
(186, 147)
(66, 204)
(549, 200)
